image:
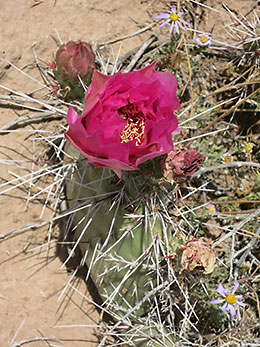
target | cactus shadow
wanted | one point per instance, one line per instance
(74, 262)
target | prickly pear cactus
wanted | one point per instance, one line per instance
(116, 230)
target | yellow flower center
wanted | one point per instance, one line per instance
(231, 299)
(203, 39)
(135, 126)
(211, 209)
(134, 130)
(248, 148)
(227, 158)
(174, 17)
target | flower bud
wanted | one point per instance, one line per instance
(73, 59)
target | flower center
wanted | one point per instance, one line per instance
(248, 148)
(174, 17)
(227, 158)
(203, 39)
(211, 210)
(231, 299)
(135, 127)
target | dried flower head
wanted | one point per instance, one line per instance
(198, 254)
(203, 40)
(226, 158)
(230, 299)
(174, 19)
(180, 164)
(211, 209)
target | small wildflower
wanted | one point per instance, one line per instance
(211, 209)
(203, 40)
(204, 93)
(244, 268)
(226, 158)
(230, 299)
(173, 18)
(247, 148)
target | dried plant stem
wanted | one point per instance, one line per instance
(247, 250)
(223, 115)
(223, 166)
(190, 76)
(140, 52)
(238, 201)
(20, 99)
(35, 339)
(236, 228)
(22, 230)
(229, 85)
(148, 27)
(35, 116)
(236, 86)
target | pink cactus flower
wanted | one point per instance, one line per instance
(127, 119)
(73, 59)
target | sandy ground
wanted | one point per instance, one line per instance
(31, 282)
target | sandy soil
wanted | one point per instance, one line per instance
(31, 281)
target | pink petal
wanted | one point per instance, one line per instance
(72, 116)
(96, 87)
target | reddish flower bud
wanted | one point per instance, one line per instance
(180, 164)
(75, 58)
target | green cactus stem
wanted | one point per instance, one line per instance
(116, 232)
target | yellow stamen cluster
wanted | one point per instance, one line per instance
(231, 299)
(203, 39)
(211, 210)
(134, 130)
(247, 148)
(174, 17)
(227, 158)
